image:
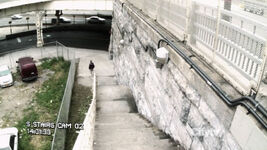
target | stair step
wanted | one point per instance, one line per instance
(104, 81)
(113, 92)
(118, 128)
(121, 118)
(128, 136)
(148, 146)
(121, 125)
(113, 107)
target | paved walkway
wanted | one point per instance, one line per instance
(118, 125)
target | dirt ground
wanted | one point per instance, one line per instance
(14, 99)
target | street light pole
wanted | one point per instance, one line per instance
(10, 22)
(45, 20)
(28, 22)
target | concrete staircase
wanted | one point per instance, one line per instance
(118, 125)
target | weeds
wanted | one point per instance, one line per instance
(47, 100)
(24, 137)
(81, 99)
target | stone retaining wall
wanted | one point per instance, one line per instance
(168, 97)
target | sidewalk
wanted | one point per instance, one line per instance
(103, 67)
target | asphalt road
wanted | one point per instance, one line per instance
(94, 36)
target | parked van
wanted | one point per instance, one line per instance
(27, 69)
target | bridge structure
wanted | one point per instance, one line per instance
(210, 93)
(9, 8)
(20, 6)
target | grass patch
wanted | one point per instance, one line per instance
(47, 102)
(81, 99)
(25, 138)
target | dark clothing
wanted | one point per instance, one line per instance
(91, 66)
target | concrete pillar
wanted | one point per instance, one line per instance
(217, 30)
(189, 19)
(39, 28)
(262, 81)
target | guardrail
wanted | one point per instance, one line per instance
(232, 44)
(235, 47)
(59, 136)
(86, 137)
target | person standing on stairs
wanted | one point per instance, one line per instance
(91, 67)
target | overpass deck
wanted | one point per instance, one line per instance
(8, 8)
(4, 4)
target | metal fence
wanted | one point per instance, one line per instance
(49, 50)
(63, 115)
(89, 125)
(235, 47)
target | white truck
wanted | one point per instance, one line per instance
(9, 139)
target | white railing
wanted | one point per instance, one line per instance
(170, 14)
(86, 137)
(242, 49)
(235, 47)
